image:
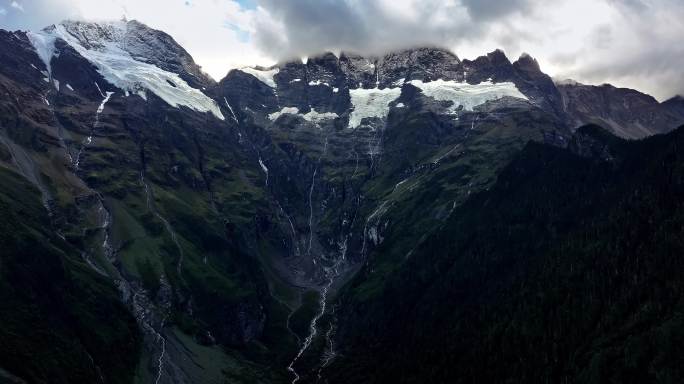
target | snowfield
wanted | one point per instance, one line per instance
(286, 110)
(317, 117)
(265, 76)
(375, 102)
(312, 116)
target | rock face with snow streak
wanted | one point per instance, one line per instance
(354, 87)
(326, 83)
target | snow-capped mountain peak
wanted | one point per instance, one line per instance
(133, 58)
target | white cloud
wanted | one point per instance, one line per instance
(3, 11)
(16, 5)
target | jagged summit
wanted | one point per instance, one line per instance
(563, 81)
(393, 68)
(412, 52)
(526, 60)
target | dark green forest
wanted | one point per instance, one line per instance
(570, 269)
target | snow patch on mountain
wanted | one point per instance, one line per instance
(104, 101)
(318, 82)
(264, 168)
(232, 113)
(311, 116)
(266, 76)
(286, 110)
(317, 117)
(105, 48)
(467, 95)
(371, 103)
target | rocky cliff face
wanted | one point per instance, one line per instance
(626, 112)
(675, 105)
(232, 213)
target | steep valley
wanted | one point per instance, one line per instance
(342, 219)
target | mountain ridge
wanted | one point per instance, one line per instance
(425, 63)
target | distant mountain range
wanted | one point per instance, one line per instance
(411, 217)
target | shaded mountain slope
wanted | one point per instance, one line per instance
(60, 322)
(625, 112)
(566, 269)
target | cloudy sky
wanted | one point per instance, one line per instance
(630, 43)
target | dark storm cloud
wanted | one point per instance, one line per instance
(493, 9)
(310, 26)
